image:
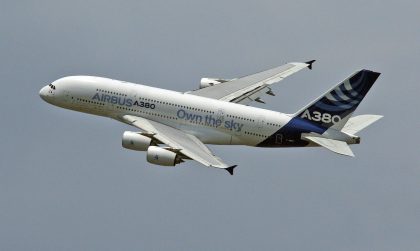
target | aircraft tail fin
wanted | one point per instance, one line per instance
(336, 146)
(334, 108)
(358, 123)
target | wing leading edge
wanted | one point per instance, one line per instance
(178, 141)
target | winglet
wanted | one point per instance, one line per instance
(310, 64)
(230, 169)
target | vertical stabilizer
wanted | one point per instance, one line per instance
(334, 108)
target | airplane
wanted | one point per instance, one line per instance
(176, 126)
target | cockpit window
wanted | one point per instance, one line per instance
(52, 86)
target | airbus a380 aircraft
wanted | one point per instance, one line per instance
(218, 113)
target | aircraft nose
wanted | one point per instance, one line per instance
(43, 93)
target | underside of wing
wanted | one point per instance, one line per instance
(178, 141)
(336, 146)
(250, 88)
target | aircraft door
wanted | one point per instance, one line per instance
(279, 139)
(260, 122)
(67, 97)
(220, 121)
(220, 115)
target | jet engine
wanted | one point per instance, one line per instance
(207, 82)
(135, 141)
(160, 156)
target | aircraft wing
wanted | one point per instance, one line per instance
(178, 141)
(250, 88)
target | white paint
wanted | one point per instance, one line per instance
(212, 121)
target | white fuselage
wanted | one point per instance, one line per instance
(212, 121)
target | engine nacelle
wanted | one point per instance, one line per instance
(159, 156)
(135, 141)
(207, 82)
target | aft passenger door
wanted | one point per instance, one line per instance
(279, 139)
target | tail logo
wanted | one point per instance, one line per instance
(335, 106)
(345, 96)
(321, 117)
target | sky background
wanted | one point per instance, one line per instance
(67, 184)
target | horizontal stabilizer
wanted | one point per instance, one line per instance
(336, 146)
(358, 123)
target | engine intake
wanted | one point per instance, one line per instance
(163, 157)
(207, 82)
(135, 141)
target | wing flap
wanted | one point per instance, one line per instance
(336, 146)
